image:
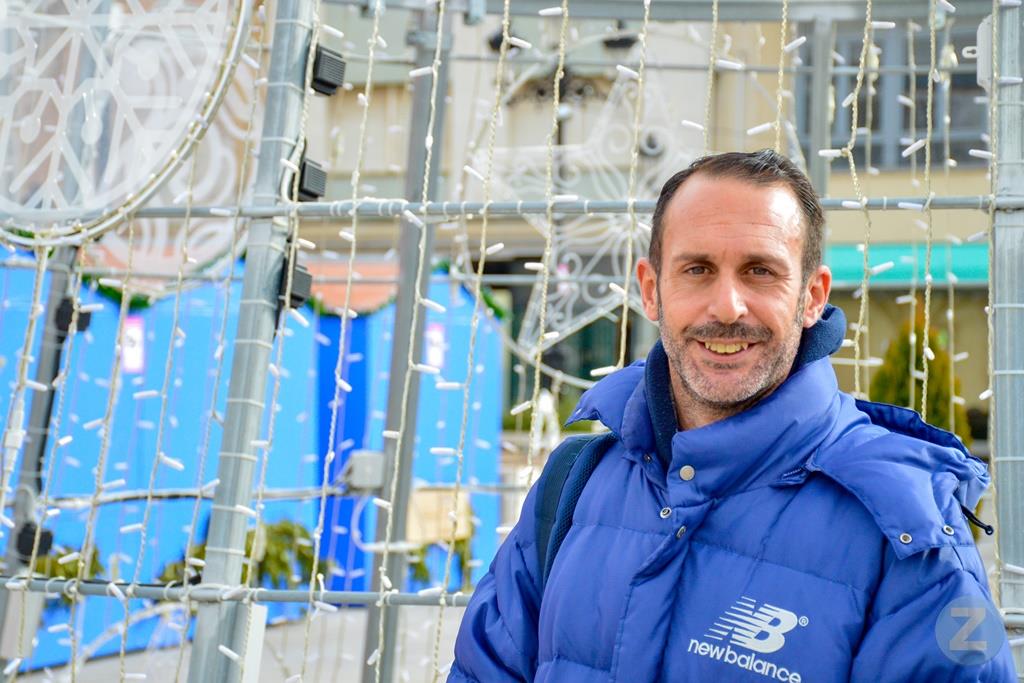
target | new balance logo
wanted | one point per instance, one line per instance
(761, 629)
(758, 629)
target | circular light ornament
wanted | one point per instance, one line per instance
(101, 102)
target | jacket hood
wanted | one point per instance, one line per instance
(912, 477)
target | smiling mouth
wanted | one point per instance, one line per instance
(726, 349)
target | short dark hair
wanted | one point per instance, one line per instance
(764, 167)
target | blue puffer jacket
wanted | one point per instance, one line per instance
(819, 539)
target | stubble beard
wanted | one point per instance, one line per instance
(712, 397)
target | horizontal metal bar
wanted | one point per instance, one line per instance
(896, 286)
(495, 279)
(741, 10)
(82, 502)
(303, 493)
(210, 593)
(837, 70)
(475, 488)
(700, 10)
(392, 208)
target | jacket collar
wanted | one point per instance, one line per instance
(821, 340)
(760, 444)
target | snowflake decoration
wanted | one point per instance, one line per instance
(157, 242)
(100, 103)
(593, 245)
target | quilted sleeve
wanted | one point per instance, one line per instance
(933, 620)
(497, 640)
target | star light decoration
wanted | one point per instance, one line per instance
(97, 101)
(594, 245)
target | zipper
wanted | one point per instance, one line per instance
(794, 476)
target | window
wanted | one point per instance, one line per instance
(892, 125)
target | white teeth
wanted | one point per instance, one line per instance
(726, 348)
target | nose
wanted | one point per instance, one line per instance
(727, 304)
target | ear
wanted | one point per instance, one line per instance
(819, 286)
(648, 281)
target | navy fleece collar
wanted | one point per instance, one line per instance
(822, 339)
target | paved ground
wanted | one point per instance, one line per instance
(336, 652)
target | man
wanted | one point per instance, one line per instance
(750, 522)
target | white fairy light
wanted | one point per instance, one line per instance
(330, 30)
(521, 408)
(229, 653)
(882, 267)
(433, 305)
(627, 72)
(913, 148)
(729, 64)
(794, 44)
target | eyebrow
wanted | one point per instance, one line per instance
(696, 257)
(779, 263)
(691, 256)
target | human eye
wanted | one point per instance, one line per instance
(761, 271)
(696, 269)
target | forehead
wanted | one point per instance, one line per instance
(732, 212)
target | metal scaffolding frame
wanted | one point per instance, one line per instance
(226, 624)
(1007, 315)
(445, 210)
(407, 347)
(221, 617)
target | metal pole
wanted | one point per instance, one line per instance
(405, 333)
(29, 473)
(892, 85)
(29, 483)
(821, 96)
(225, 548)
(1008, 314)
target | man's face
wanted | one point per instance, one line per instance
(730, 298)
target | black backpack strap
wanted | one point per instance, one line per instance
(565, 475)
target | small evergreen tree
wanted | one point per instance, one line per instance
(891, 382)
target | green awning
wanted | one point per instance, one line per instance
(967, 262)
